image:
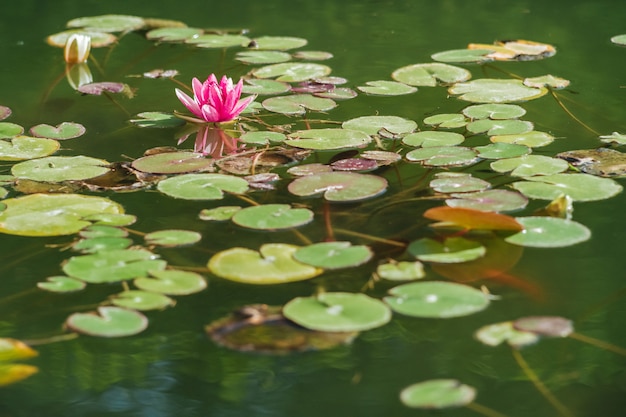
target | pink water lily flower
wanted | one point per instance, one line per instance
(215, 102)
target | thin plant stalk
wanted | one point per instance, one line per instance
(598, 343)
(485, 411)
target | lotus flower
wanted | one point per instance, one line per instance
(215, 102)
(77, 48)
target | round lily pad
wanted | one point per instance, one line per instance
(108, 23)
(451, 250)
(549, 232)
(108, 322)
(264, 87)
(273, 264)
(446, 120)
(328, 139)
(462, 56)
(532, 139)
(65, 130)
(386, 88)
(333, 255)
(111, 219)
(173, 163)
(98, 39)
(26, 147)
(113, 265)
(172, 237)
(454, 182)
(98, 244)
(272, 217)
(501, 151)
(338, 312)
(213, 40)
(579, 187)
(427, 139)
(339, 186)
(430, 74)
(498, 333)
(494, 111)
(372, 125)
(10, 130)
(298, 104)
(157, 120)
(401, 271)
(222, 213)
(262, 57)
(436, 299)
(546, 81)
(489, 90)
(141, 300)
(102, 230)
(499, 127)
(61, 284)
(292, 71)
(280, 43)
(60, 168)
(529, 165)
(437, 394)
(202, 186)
(489, 200)
(443, 156)
(4, 112)
(52, 214)
(173, 34)
(171, 282)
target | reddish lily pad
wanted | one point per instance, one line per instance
(355, 164)
(498, 333)
(451, 250)
(65, 130)
(550, 326)
(339, 186)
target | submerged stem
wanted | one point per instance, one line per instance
(570, 114)
(52, 339)
(372, 238)
(598, 343)
(485, 411)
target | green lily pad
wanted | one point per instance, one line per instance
(463, 56)
(457, 182)
(489, 200)
(292, 71)
(99, 244)
(437, 394)
(60, 168)
(172, 282)
(262, 137)
(549, 232)
(61, 284)
(338, 93)
(430, 74)
(108, 322)
(111, 219)
(202, 186)
(579, 187)
(532, 139)
(339, 186)
(387, 88)
(451, 250)
(273, 264)
(333, 255)
(427, 139)
(52, 214)
(499, 127)
(546, 81)
(338, 312)
(265, 87)
(313, 55)
(10, 130)
(446, 120)
(173, 34)
(372, 125)
(501, 150)
(262, 57)
(494, 111)
(142, 300)
(101, 230)
(437, 156)
(172, 237)
(272, 217)
(65, 130)
(436, 299)
(280, 43)
(113, 265)
(619, 39)
(173, 163)
(529, 165)
(298, 104)
(498, 333)
(99, 39)
(489, 90)
(108, 23)
(615, 137)
(219, 214)
(156, 119)
(211, 40)
(401, 271)
(26, 147)
(328, 139)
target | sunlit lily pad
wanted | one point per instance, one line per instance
(427, 139)
(615, 137)
(437, 394)
(298, 104)
(443, 156)
(273, 264)
(430, 74)
(272, 217)
(488, 90)
(171, 282)
(280, 43)
(157, 119)
(499, 127)
(338, 312)
(532, 139)
(52, 214)
(219, 214)
(141, 300)
(333, 255)
(529, 165)
(436, 299)
(172, 237)
(102, 243)
(202, 186)
(462, 56)
(108, 322)
(339, 186)
(26, 147)
(580, 187)
(489, 200)
(446, 120)
(328, 139)
(292, 71)
(619, 39)
(472, 219)
(111, 219)
(211, 40)
(65, 130)
(262, 57)
(546, 81)
(173, 163)
(550, 326)
(264, 87)
(113, 265)
(173, 34)
(451, 250)
(549, 232)
(372, 125)
(61, 284)
(10, 130)
(501, 151)
(338, 94)
(498, 333)
(386, 88)
(494, 111)
(60, 168)
(98, 39)
(456, 182)
(108, 23)
(401, 271)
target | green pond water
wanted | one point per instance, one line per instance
(172, 368)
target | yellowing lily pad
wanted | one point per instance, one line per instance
(339, 186)
(108, 322)
(202, 186)
(14, 372)
(26, 147)
(437, 394)
(13, 349)
(99, 39)
(273, 264)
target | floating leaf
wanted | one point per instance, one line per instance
(108, 23)
(111, 219)
(386, 88)
(172, 282)
(172, 237)
(108, 322)
(173, 163)
(517, 50)
(142, 300)
(436, 299)
(173, 34)
(60, 168)
(488, 90)
(97, 89)
(309, 169)
(272, 217)
(298, 104)
(471, 219)
(498, 333)
(501, 151)
(113, 265)
(328, 139)
(532, 139)
(333, 255)
(446, 120)
(546, 81)
(372, 125)
(443, 156)
(339, 186)
(430, 74)
(494, 111)
(280, 43)
(401, 271)
(427, 139)
(10, 130)
(499, 127)
(98, 39)
(615, 137)
(265, 87)
(462, 56)
(549, 232)
(489, 200)
(338, 312)
(61, 284)
(292, 71)
(273, 264)
(26, 147)
(619, 39)
(157, 119)
(551, 326)
(52, 214)
(451, 250)
(455, 182)
(65, 130)
(338, 94)
(437, 394)
(222, 213)
(355, 164)
(580, 187)
(529, 165)
(313, 55)
(98, 244)
(211, 40)
(100, 230)
(202, 186)
(382, 157)
(262, 57)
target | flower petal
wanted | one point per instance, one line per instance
(190, 103)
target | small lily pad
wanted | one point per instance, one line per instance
(546, 81)
(96, 89)
(272, 217)
(456, 182)
(99, 244)
(333, 255)
(579, 187)
(292, 71)
(339, 186)
(532, 139)
(173, 163)
(65, 130)
(313, 55)
(619, 39)
(529, 165)
(499, 127)
(498, 333)
(549, 232)
(436, 299)
(280, 43)
(172, 237)
(427, 139)
(98, 39)
(4, 112)
(171, 282)
(437, 394)
(157, 120)
(463, 56)
(298, 104)
(262, 57)
(113, 265)
(60, 168)
(437, 156)
(338, 312)
(401, 271)
(108, 23)
(202, 186)
(494, 111)
(430, 74)
(219, 214)
(451, 250)
(141, 300)
(108, 322)
(387, 88)
(61, 284)
(489, 90)
(372, 125)
(26, 147)
(10, 130)
(489, 200)
(328, 139)
(212, 40)
(446, 120)
(173, 34)
(550, 326)
(265, 87)
(501, 151)
(101, 230)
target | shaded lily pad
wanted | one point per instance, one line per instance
(156, 119)
(26, 147)
(222, 213)
(13, 349)
(108, 23)
(355, 164)
(52, 214)
(292, 71)
(339, 186)
(550, 326)
(202, 186)
(489, 200)
(451, 250)
(298, 104)
(273, 264)
(498, 333)
(443, 156)
(272, 217)
(108, 322)
(401, 271)
(65, 130)
(386, 88)
(262, 57)
(549, 232)
(111, 219)
(472, 219)
(10, 130)
(262, 137)
(437, 394)
(427, 139)
(141, 300)
(264, 87)
(529, 165)
(173, 34)
(603, 162)
(280, 43)
(462, 56)
(430, 74)
(446, 120)
(333, 255)
(436, 299)
(172, 237)
(171, 282)
(61, 284)
(309, 169)
(456, 182)
(211, 40)
(615, 137)
(372, 125)
(60, 168)
(580, 187)
(328, 139)
(501, 151)
(313, 55)
(494, 111)
(338, 312)
(113, 265)
(532, 139)
(382, 157)
(489, 90)
(173, 163)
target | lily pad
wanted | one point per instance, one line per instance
(499, 127)
(498, 333)
(262, 57)
(98, 244)
(298, 104)
(456, 182)
(111, 219)
(101, 230)
(264, 87)
(272, 217)
(10, 130)
(437, 394)
(113, 265)
(173, 163)
(579, 187)
(619, 39)
(427, 139)
(292, 71)
(202, 186)
(313, 55)
(451, 250)
(430, 74)
(13, 349)
(532, 139)
(489, 90)
(436, 299)
(355, 164)
(339, 186)
(108, 23)
(338, 312)
(65, 130)
(172, 237)
(549, 232)
(501, 151)
(401, 271)
(218, 214)
(494, 111)
(26, 147)
(96, 89)
(438, 156)
(550, 326)
(273, 264)
(328, 139)
(463, 56)
(446, 120)
(173, 34)
(529, 165)
(372, 125)
(489, 200)
(108, 322)
(280, 43)
(471, 219)
(98, 39)
(387, 88)
(156, 119)
(171, 282)
(141, 300)
(333, 255)
(212, 40)
(61, 284)
(52, 214)
(60, 168)
(546, 81)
